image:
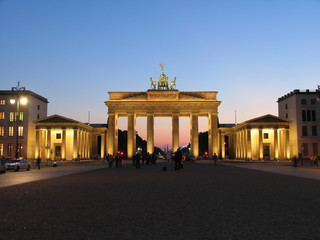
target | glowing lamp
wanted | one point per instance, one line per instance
(23, 101)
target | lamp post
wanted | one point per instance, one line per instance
(17, 99)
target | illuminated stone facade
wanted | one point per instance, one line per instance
(60, 138)
(163, 103)
(35, 108)
(262, 138)
(302, 109)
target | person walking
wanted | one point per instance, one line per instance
(178, 159)
(110, 160)
(137, 160)
(215, 159)
(38, 162)
(295, 161)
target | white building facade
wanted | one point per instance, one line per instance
(302, 109)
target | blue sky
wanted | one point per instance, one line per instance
(73, 52)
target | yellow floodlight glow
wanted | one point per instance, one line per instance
(23, 101)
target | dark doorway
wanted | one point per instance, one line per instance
(99, 145)
(266, 152)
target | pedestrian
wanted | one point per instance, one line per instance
(295, 161)
(3, 160)
(215, 159)
(317, 160)
(137, 157)
(117, 161)
(178, 159)
(110, 160)
(38, 162)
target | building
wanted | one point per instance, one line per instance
(60, 138)
(261, 138)
(303, 110)
(18, 110)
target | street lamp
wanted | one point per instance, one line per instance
(18, 99)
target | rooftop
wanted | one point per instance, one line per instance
(299, 91)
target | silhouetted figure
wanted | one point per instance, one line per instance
(38, 162)
(215, 159)
(137, 157)
(117, 161)
(177, 159)
(295, 160)
(110, 160)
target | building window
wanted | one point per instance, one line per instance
(304, 131)
(21, 116)
(266, 136)
(38, 116)
(304, 116)
(314, 131)
(305, 149)
(303, 101)
(313, 112)
(12, 116)
(1, 149)
(286, 115)
(10, 131)
(2, 102)
(58, 136)
(315, 149)
(10, 149)
(1, 131)
(38, 107)
(308, 115)
(286, 106)
(313, 101)
(1, 115)
(20, 131)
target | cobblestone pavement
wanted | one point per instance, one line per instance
(199, 202)
(286, 168)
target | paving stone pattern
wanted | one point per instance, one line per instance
(199, 202)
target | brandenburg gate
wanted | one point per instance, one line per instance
(162, 100)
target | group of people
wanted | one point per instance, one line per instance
(144, 159)
(117, 159)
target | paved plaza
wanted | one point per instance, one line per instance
(201, 201)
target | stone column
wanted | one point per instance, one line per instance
(276, 145)
(103, 137)
(86, 145)
(63, 147)
(249, 152)
(112, 133)
(48, 146)
(150, 133)
(287, 151)
(241, 145)
(175, 132)
(131, 146)
(223, 146)
(213, 135)
(81, 143)
(37, 150)
(194, 135)
(260, 145)
(75, 143)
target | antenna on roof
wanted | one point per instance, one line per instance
(88, 117)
